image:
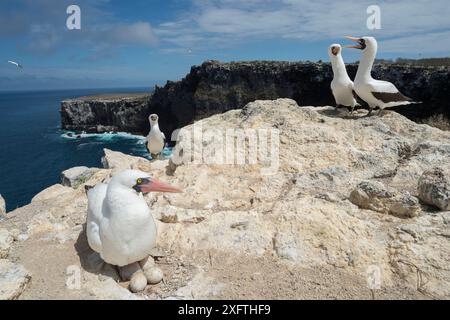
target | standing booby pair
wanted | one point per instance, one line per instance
(156, 139)
(376, 93)
(120, 226)
(341, 86)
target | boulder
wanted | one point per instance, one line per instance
(375, 196)
(117, 160)
(434, 188)
(51, 193)
(77, 176)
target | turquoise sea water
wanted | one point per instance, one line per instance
(34, 151)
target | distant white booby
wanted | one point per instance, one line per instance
(341, 86)
(16, 64)
(376, 93)
(120, 225)
(155, 139)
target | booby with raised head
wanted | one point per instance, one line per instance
(376, 93)
(120, 226)
(341, 86)
(156, 139)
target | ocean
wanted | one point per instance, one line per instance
(33, 149)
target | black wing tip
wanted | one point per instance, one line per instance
(388, 97)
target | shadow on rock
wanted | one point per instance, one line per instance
(91, 260)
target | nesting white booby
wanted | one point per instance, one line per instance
(120, 226)
(156, 139)
(376, 93)
(341, 86)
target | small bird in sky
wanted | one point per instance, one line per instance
(16, 64)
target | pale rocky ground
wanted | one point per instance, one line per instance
(2, 206)
(239, 233)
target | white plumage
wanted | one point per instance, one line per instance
(120, 225)
(376, 93)
(341, 86)
(16, 64)
(156, 138)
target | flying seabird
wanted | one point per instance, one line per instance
(376, 93)
(341, 86)
(155, 139)
(16, 64)
(120, 226)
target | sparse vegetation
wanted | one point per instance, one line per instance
(426, 62)
(439, 121)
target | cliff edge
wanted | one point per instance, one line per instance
(216, 87)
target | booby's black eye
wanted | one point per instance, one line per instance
(362, 42)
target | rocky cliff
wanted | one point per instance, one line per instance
(105, 113)
(216, 87)
(339, 217)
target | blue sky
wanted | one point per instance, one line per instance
(143, 42)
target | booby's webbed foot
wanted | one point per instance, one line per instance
(352, 110)
(155, 156)
(127, 272)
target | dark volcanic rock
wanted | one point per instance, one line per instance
(105, 113)
(216, 87)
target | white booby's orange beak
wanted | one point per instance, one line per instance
(153, 185)
(360, 45)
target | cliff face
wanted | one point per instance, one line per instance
(127, 113)
(216, 87)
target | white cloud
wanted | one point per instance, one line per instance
(230, 22)
(429, 43)
(39, 26)
(139, 33)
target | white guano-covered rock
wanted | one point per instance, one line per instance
(13, 280)
(434, 188)
(76, 176)
(376, 197)
(6, 240)
(2, 206)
